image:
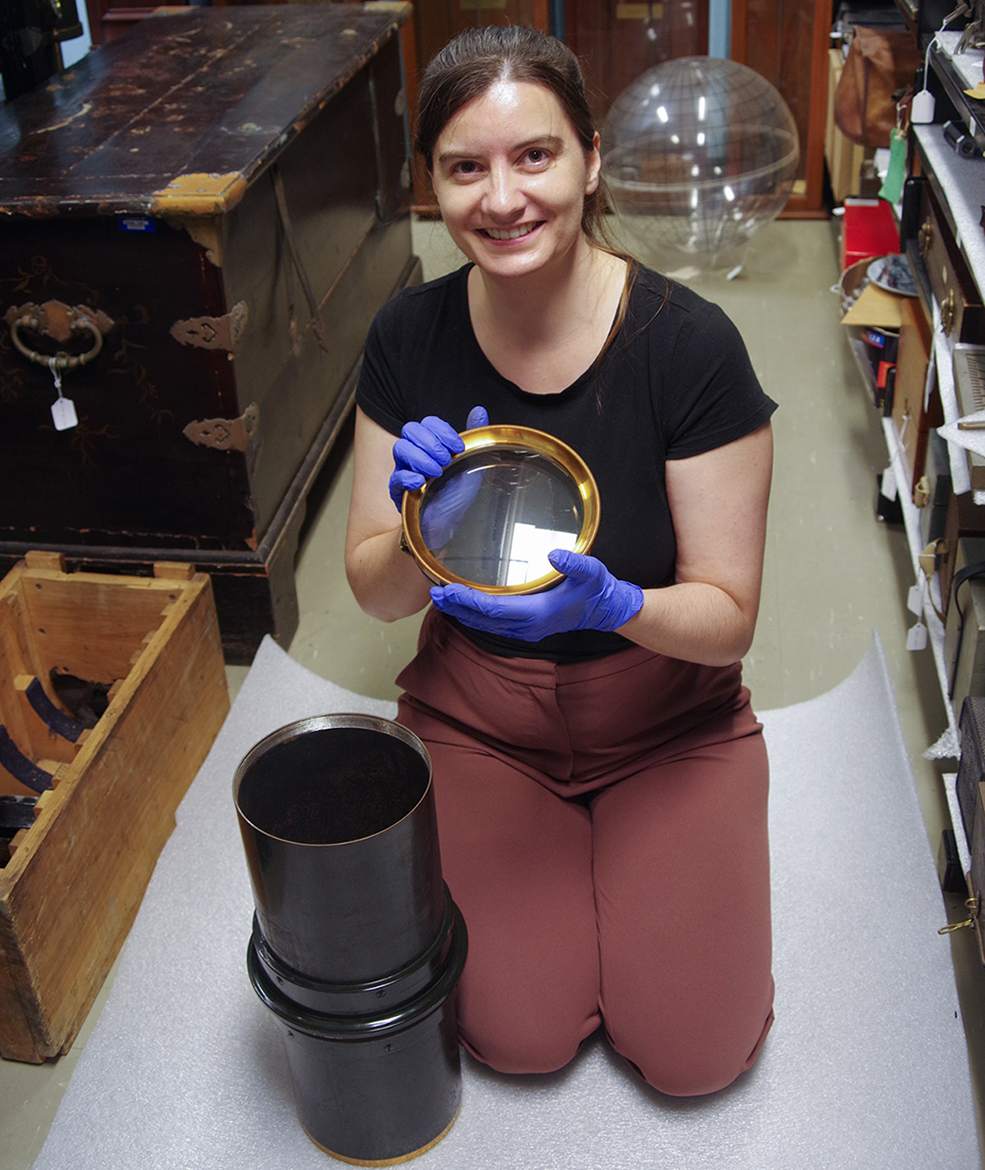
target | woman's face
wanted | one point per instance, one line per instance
(511, 179)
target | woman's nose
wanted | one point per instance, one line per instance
(504, 197)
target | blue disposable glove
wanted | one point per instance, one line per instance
(425, 449)
(589, 598)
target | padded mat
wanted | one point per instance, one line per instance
(865, 1066)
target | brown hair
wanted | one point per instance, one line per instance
(479, 57)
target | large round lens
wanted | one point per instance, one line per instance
(494, 514)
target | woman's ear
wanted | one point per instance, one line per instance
(594, 158)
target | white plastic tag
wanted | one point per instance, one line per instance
(922, 108)
(914, 602)
(63, 414)
(916, 637)
(889, 483)
(62, 409)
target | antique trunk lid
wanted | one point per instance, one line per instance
(180, 114)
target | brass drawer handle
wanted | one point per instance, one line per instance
(926, 237)
(62, 361)
(58, 322)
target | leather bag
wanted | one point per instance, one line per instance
(879, 72)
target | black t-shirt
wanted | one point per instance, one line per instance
(675, 382)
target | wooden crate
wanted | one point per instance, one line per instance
(74, 879)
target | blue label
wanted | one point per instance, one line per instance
(133, 223)
(876, 339)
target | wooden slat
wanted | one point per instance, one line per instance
(177, 570)
(45, 560)
(89, 624)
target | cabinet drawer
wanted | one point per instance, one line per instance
(962, 315)
(964, 632)
(912, 416)
(965, 519)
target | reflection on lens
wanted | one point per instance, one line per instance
(494, 516)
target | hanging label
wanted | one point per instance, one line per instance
(916, 637)
(63, 414)
(888, 488)
(914, 602)
(62, 409)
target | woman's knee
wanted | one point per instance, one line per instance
(524, 1047)
(691, 1066)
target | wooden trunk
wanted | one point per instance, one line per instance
(73, 880)
(219, 195)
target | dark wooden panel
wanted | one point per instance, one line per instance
(293, 405)
(951, 282)
(616, 42)
(787, 44)
(126, 469)
(390, 104)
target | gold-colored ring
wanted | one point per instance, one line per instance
(503, 438)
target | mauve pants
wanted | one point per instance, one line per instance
(603, 829)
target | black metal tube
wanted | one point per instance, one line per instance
(357, 946)
(374, 1090)
(338, 823)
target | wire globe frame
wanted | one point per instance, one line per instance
(699, 154)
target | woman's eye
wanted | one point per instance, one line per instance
(537, 155)
(466, 167)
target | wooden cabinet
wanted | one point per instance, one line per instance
(218, 199)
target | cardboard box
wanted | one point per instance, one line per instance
(75, 878)
(844, 157)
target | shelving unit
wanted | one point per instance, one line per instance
(911, 524)
(958, 185)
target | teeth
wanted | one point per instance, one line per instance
(512, 233)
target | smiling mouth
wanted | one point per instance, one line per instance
(509, 233)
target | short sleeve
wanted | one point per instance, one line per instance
(715, 395)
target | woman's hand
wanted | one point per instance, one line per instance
(425, 449)
(386, 582)
(589, 598)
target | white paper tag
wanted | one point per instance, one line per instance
(916, 637)
(888, 488)
(63, 414)
(914, 601)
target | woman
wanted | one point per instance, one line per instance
(600, 778)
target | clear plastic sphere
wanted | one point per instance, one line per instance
(699, 153)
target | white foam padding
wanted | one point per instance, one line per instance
(866, 1064)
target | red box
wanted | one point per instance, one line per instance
(868, 228)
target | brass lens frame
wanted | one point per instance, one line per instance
(503, 438)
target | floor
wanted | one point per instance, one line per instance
(834, 574)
